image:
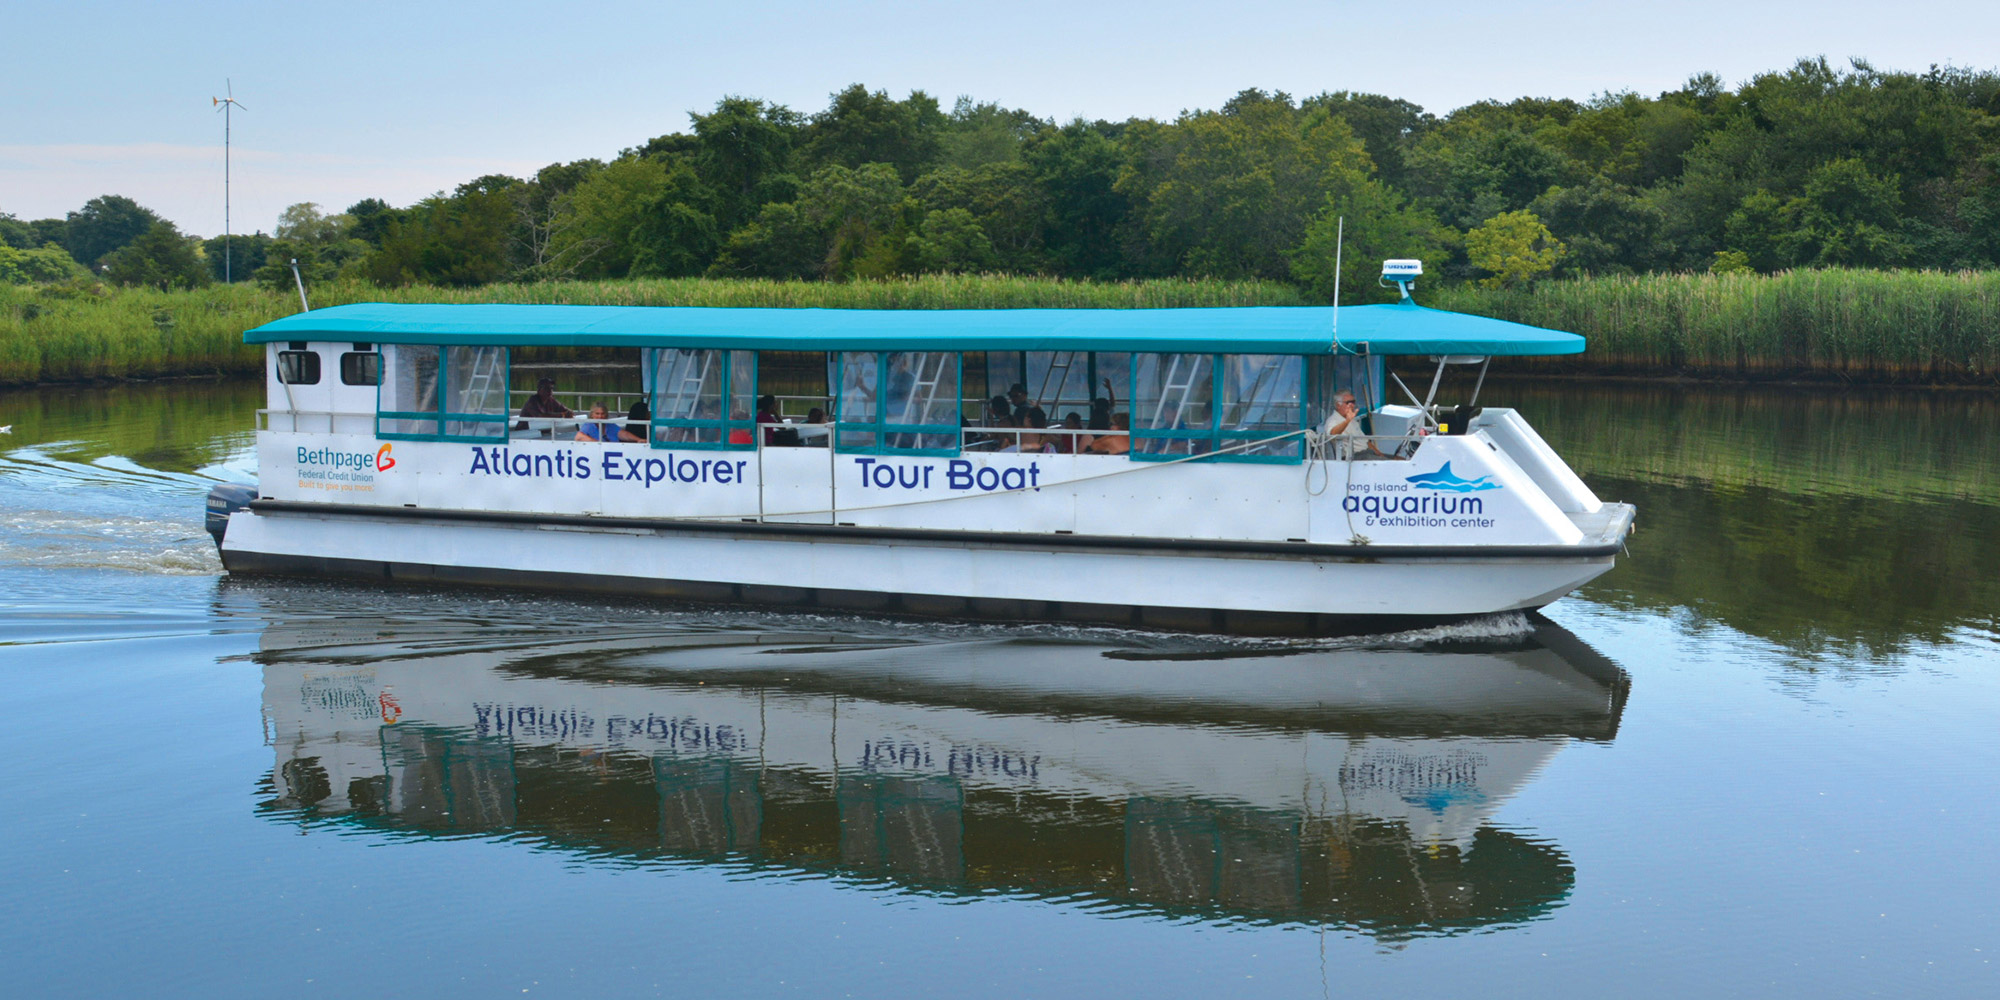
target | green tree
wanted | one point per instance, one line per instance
(1228, 194)
(17, 234)
(104, 224)
(1367, 222)
(1608, 228)
(603, 214)
(459, 240)
(243, 253)
(781, 242)
(861, 127)
(1845, 217)
(1514, 248)
(743, 151)
(979, 134)
(951, 241)
(159, 258)
(39, 266)
(1076, 168)
(371, 219)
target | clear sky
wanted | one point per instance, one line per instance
(356, 99)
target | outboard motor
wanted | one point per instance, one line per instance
(225, 499)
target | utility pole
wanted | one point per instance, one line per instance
(226, 105)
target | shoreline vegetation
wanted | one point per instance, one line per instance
(1837, 326)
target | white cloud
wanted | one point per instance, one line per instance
(184, 183)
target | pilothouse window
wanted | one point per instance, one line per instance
(360, 368)
(298, 367)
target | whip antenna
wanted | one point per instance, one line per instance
(226, 105)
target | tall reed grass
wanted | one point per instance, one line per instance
(1875, 326)
(1871, 326)
(68, 333)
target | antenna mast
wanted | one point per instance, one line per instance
(226, 105)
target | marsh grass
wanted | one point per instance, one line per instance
(1864, 326)
(80, 333)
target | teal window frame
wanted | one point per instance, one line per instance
(1213, 435)
(726, 390)
(441, 417)
(881, 428)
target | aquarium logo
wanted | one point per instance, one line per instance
(383, 462)
(1443, 479)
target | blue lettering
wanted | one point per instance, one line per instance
(958, 474)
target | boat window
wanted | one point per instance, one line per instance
(1362, 375)
(1263, 406)
(471, 406)
(1172, 405)
(857, 410)
(298, 367)
(901, 401)
(1236, 407)
(703, 398)
(360, 368)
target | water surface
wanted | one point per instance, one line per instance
(1756, 759)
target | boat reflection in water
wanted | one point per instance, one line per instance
(1345, 785)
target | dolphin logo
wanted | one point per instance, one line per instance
(1443, 479)
(384, 463)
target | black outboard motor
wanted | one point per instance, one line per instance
(225, 499)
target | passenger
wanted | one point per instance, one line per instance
(767, 413)
(1017, 397)
(1101, 407)
(637, 420)
(740, 435)
(1117, 443)
(814, 432)
(1070, 444)
(543, 405)
(1345, 424)
(1032, 443)
(999, 413)
(595, 431)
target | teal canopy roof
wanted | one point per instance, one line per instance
(1403, 328)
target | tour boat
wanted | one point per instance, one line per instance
(1187, 469)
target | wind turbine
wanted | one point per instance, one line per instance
(226, 105)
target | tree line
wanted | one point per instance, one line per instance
(1810, 167)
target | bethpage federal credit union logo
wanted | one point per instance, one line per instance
(333, 469)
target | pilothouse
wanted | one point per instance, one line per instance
(1250, 470)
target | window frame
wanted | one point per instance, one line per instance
(376, 375)
(1214, 435)
(318, 366)
(883, 430)
(725, 391)
(441, 418)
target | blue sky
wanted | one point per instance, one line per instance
(398, 100)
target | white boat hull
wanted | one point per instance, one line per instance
(1239, 587)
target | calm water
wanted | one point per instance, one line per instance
(1757, 759)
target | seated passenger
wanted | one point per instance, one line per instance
(1117, 443)
(595, 431)
(1032, 443)
(637, 420)
(1345, 425)
(1070, 444)
(767, 413)
(543, 404)
(740, 435)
